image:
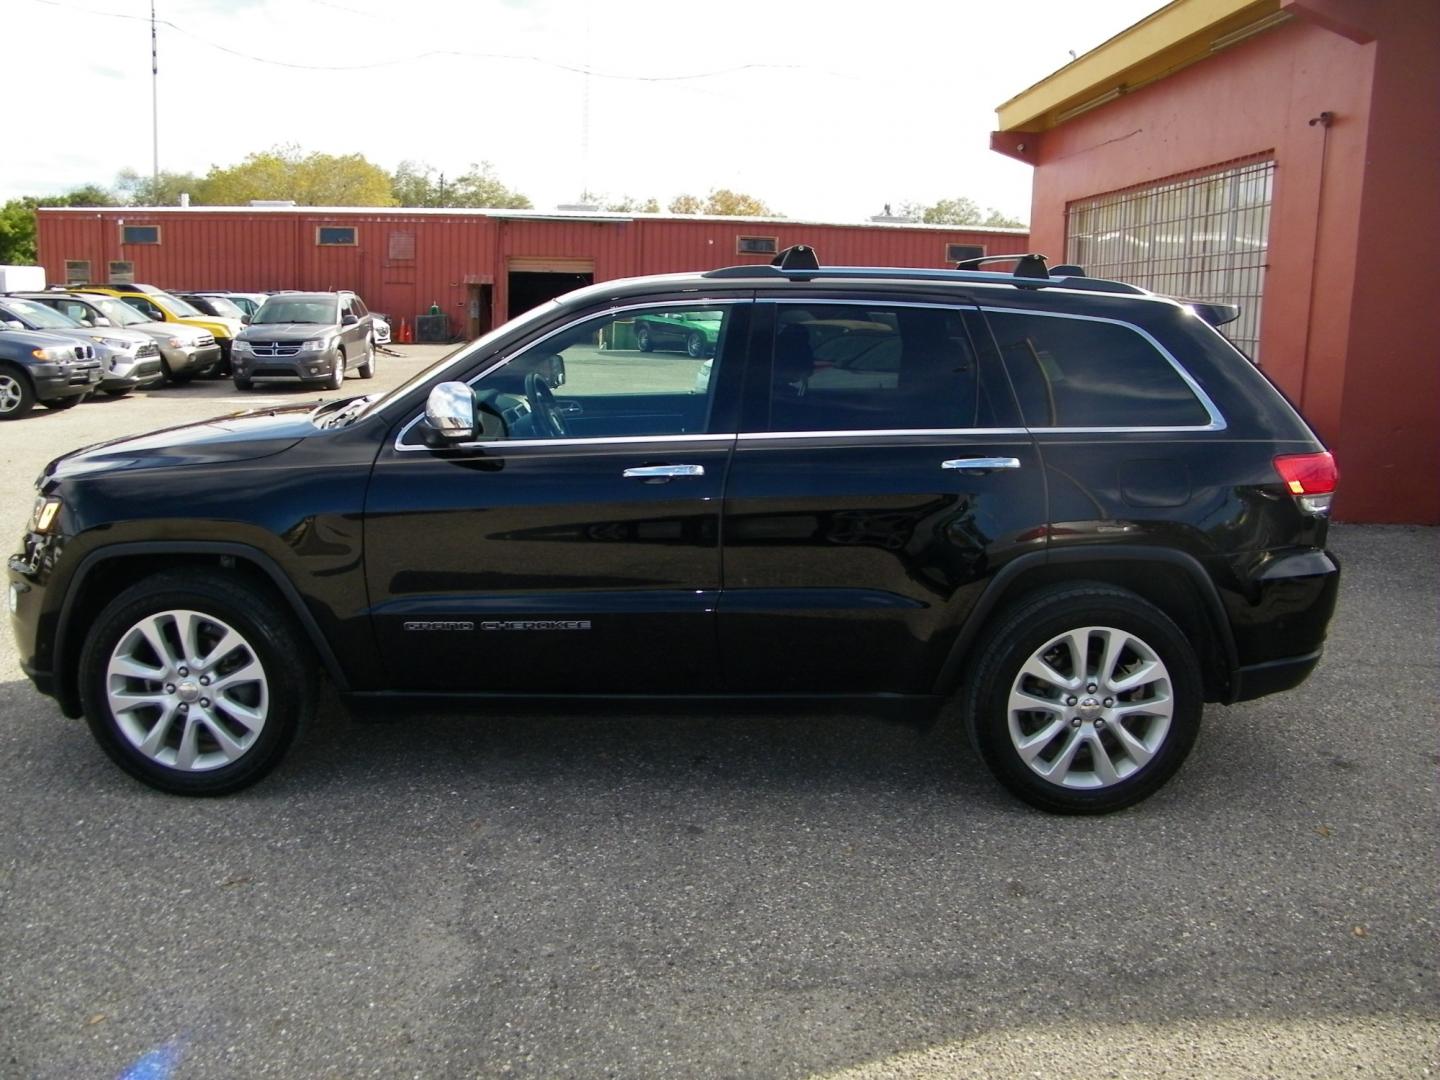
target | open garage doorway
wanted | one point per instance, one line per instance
(533, 281)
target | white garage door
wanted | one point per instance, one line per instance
(1201, 237)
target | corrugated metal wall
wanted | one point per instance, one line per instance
(402, 262)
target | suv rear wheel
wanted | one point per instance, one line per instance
(194, 684)
(1086, 700)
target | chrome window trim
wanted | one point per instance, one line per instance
(1217, 421)
(605, 440)
(752, 436)
(502, 361)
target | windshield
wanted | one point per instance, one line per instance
(322, 312)
(219, 305)
(458, 357)
(38, 315)
(118, 312)
(176, 305)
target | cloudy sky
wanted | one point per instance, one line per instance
(822, 109)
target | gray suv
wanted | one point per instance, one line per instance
(57, 370)
(314, 337)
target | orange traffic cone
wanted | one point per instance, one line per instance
(403, 337)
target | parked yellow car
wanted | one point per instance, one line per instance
(161, 306)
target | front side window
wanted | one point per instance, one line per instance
(1071, 372)
(146, 308)
(874, 367)
(626, 374)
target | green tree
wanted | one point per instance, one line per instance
(17, 220)
(722, 201)
(959, 211)
(625, 204)
(480, 187)
(417, 183)
(132, 189)
(313, 179)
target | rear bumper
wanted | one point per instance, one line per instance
(1280, 610)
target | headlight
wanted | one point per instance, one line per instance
(112, 343)
(316, 344)
(175, 342)
(53, 353)
(45, 514)
(242, 345)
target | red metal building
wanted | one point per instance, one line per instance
(479, 266)
(1283, 154)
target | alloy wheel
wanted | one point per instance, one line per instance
(187, 690)
(1090, 708)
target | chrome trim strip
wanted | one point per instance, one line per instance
(607, 440)
(614, 310)
(979, 464)
(1217, 421)
(643, 471)
(751, 436)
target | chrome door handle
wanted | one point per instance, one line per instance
(981, 464)
(647, 472)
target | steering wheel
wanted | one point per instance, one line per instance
(548, 422)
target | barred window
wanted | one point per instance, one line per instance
(1201, 237)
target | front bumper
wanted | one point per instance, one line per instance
(54, 381)
(190, 361)
(307, 367)
(128, 373)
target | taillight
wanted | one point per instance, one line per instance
(1311, 478)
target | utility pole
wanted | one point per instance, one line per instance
(154, 108)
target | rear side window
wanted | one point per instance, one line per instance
(1071, 372)
(864, 367)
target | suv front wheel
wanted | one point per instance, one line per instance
(194, 684)
(1086, 700)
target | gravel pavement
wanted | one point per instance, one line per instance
(542, 894)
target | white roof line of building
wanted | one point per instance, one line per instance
(524, 215)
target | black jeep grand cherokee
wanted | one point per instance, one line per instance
(1066, 502)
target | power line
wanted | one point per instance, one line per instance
(441, 53)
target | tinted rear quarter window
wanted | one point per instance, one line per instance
(1085, 373)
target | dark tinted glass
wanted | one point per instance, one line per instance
(864, 367)
(335, 234)
(1081, 373)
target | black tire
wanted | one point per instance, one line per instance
(60, 404)
(242, 383)
(178, 378)
(17, 396)
(367, 366)
(286, 661)
(1043, 619)
(695, 345)
(337, 374)
(118, 393)
(642, 338)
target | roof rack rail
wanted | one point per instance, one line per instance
(1027, 265)
(800, 263)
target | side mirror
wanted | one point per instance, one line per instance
(244, 320)
(11, 324)
(349, 320)
(449, 414)
(99, 320)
